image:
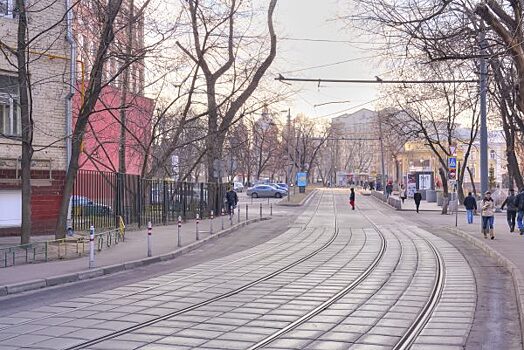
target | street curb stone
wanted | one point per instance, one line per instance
(516, 274)
(11, 289)
(302, 202)
(25, 286)
(61, 279)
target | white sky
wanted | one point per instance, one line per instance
(317, 19)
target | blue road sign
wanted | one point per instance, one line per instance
(302, 179)
(452, 162)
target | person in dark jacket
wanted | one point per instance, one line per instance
(232, 200)
(352, 199)
(470, 203)
(511, 211)
(417, 197)
(519, 203)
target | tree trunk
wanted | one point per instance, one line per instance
(26, 122)
(445, 192)
(92, 93)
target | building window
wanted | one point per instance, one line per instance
(6, 8)
(10, 124)
(492, 155)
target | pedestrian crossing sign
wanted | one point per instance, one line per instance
(452, 162)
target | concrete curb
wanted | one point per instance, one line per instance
(16, 288)
(518, 280)
(284, 202)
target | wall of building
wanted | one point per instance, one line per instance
(101, 140)
(49, 75)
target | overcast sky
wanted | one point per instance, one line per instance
(317, 20)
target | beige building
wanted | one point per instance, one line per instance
(49, 66)
(357, 146)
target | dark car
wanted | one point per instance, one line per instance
(84, 206)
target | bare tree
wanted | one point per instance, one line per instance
(93, 90)
(431, 114)
(217, 33)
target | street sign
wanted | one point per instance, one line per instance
(452, 162)
(301, 179)
(452, 175)
(453, 150)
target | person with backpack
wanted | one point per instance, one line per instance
(511, 211)
(352, 198)
(519, 204)
(470, 203)
(488, 215)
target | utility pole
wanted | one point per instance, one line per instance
(382, 153)
(288, 170)
(483, 113)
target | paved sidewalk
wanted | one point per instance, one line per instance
(409, 205)
(164, 241)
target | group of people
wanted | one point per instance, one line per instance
(514, 211)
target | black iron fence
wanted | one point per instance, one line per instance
(100, 197)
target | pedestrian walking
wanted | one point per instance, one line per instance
(511, 209)
(519, 203)
(417, 197)
(389, 189)
(403, 193)
(352, 198)
(470, 203)
(488, 215)
(232, 200)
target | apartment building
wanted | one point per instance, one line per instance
(49, 67)
(101, 141)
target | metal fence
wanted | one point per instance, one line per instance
(100, 197)
(58, 249)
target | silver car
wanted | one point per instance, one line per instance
(260, 191)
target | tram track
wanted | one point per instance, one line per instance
(216, 298)
(409, 337)
(162, 285)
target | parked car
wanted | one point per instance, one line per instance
(260, 191)
(278, 187)
(238, 187)
(283, 186)
(86, 206)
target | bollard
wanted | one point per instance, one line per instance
(179, 242)
(267, 200)
(91, 247)
(261, 210)
(197, 222)
(211, 223)
(149, 229)
(222, 219)
(238, 214)
(231, 215)
(247, 215)
(271, 209)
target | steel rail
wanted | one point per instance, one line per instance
(407, 340)
(214, 299)
(340, 294)
(170, 282)
(423, 317)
